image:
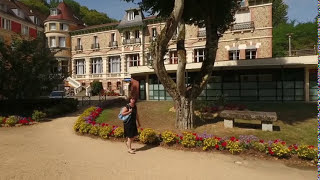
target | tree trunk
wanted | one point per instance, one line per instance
(184, 113)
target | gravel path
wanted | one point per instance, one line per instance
(52, 151)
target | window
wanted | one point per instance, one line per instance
(79, 41)
(62, 42)
(53, 12)
(80, 66)
(173, 57)
(114, 64)
(131, 16)
(133, 60)
(96, 66)
(137, 34)
(199, 55)
(113, 37)
(6, 24)
(95, 42)
(251, 53)
(149, 59)
(64, 27)
(242, 17)
(64, 66)
(52, 41)
(127, 35)
(36, 20)
(234, 55)
(25, 30)
(52, 26)
(154, 32)
(118, 85)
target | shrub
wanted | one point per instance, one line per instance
(118, 132)
(38, 115)
(293, 149)
(259, 146)
(188, 140)
(105, 132)
(84, 127)
(279, 149)
(210, 143)
(12, 120)
(169, 137)
(77, 125)
(148, 136)
(234, 146)
(307, 152)
(94, 130)
(96, 87)
(2, 120)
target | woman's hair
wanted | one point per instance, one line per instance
(131, 97)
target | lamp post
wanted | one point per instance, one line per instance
(290, 35)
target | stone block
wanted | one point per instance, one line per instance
(267, 126)
(228, 123)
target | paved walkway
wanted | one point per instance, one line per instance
(53, 151)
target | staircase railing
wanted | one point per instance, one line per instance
(76, 84)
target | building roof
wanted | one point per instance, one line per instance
(10, 5)
(65, 14)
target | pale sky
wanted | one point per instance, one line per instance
(300, 10)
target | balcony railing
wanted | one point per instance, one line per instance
(242, 26)
(131, 41)
(304, 52)
(78, 48)
(113, 44)
(202, 33)
(95, 46)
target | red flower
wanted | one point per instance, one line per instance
(141, 129)
(277, 140)
(194, 134)
(232, 139)
(197, 138)
(261, 141)
(217, 146)
(224, 144)
(201, 139)
(271, 152)
(283, 143)
(181, 137)
(310, 147)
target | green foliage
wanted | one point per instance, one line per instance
(12, 120)
(279, 13)
(209, 143)
(188, 140)
(39, 5)
(93, 17)
(96, 87)
(94, 130)
(307, 152)
(169, 137)
(25, 69)
(38, 115)
(119, 132)
(234, 147)
(259, 146)
(105, 132)
(2, 119)
(148, 136)
(81, 121)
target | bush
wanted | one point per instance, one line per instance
(105, 132)
(38, 115)
(169, 137)
(118, 132)
(259, 146)
(279, 149)
(188, 140)
(210, 143)
(2, 120)
(12, 120)
(148, 136)
(234, 146)
(84, 127)
(94, 130)
(307, 152)
(96, 87)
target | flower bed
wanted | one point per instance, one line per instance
(12, 121)
(86, 125)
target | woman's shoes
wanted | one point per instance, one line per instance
(131, 151)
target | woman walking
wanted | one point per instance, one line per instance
(130, 127)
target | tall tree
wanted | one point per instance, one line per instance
(216, 17)
(25, 69)
(40, 5)
(279, 12)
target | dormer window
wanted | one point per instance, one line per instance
(53, 12)
(131, 16)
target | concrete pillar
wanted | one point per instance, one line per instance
(147, 87)
(88, 68)
(123, 64)
(105, 65)
(306, 84)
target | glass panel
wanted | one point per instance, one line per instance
(151, 98)
(279, 84)
(267, 98)
(288, 98)
(267, 92)
(161, 87)
(249, 85)
(288, 84)
(299, 98)
(231, 92)
(155, 87)
(161, 96)
(299, 92)
(150, 93)
(248, 92)
(201, 98)
(268, 85)
(214, 93)
(233, 98)
(203, 93)
(151, 87)
(279, 92)
(288, 92)
(232, 85)
(313, 98)
(313, 92)
(313, 84)
(216, 86)
(212, 98)
(142, 87)
(142, 95)
(156, 94)
(299, 84)
(249, 98)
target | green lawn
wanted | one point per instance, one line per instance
(297, 122)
